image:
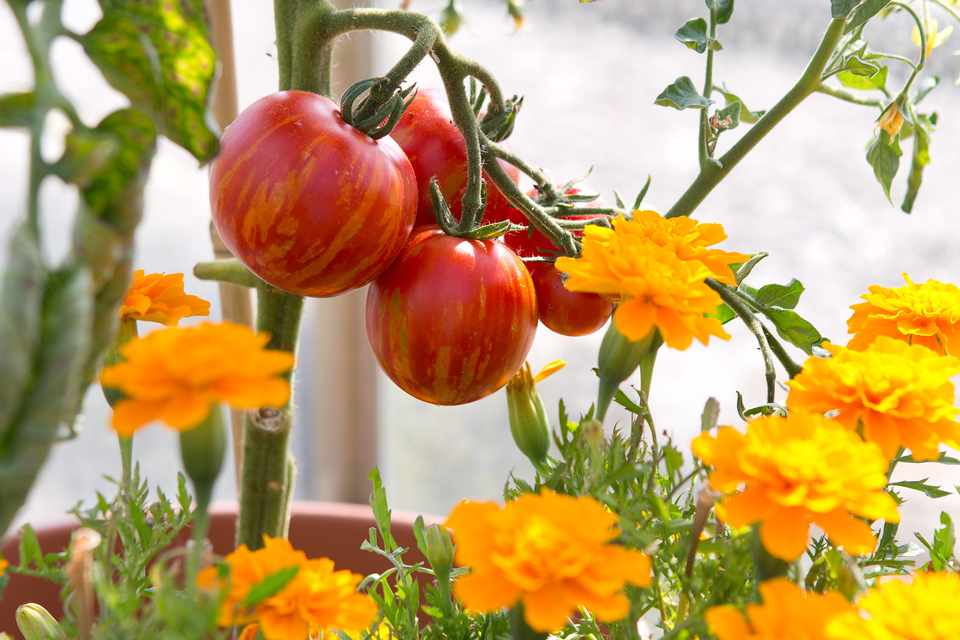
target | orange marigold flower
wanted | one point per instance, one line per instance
(656, 267)
(176, 374)
(922, 609)
(317, 599)
(786, 613)
(3, 566)
(554, 553)
(787, 473)
(927, 314)
(900, 393)
(159, 297)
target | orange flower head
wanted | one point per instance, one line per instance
(891, 120)
(3, 566)
(657, 269)
(787, 473)
(159, 297)
(317, 599)
(554, 553)
(900, 393)
(927, 314)
(786, 613)
(176, 374)
(924, 608)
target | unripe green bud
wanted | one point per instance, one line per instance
(125, 333)
(36, 623)
(450, 18)
(439, 549)
(618, 359)
(202, 451)
(528, 418)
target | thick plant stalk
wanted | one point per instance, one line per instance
(235, 303)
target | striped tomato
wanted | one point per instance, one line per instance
(310, 204)
(567, 312)
(452, 319)
(436, 148)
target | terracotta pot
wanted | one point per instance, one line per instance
(333, 530)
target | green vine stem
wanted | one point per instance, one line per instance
(809, 82)
(704, 151)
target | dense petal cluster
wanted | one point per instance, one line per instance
(900, 393)
(317, 599)
(927, 314)
(656, 268)
(786, 473)
(159, 297)
(175, 374)
(922, 609)
(787, 612)
(553, 553)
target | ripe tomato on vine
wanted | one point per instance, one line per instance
(310, 204)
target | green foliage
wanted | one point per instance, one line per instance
(681, 94)
(883, 154)
(722, 10)
(693, 35)
(842, 8)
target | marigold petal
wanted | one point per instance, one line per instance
(785, 533)
(855, 536)
(470, 523)
(186, 412)
(743, 509)
(485, 591)
(130, 415)
(727, 623)
(635, 319)
(548, 609)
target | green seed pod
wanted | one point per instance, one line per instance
(528, 418)
(618, 359)
(202, 451)
(36, 623)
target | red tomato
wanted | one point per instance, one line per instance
(310, 204)
(452, 319)
(567, 312)
(435, 146)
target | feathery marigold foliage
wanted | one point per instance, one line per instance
(927, 314)
(786, 473)
(553, 553)
(787, 612)
(901, 394)
(317, 599)
(176, 374)
(657, 268)
(159, 297)
(924, 608)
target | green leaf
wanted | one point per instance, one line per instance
(693, 34)
(710, 414)
(624, 401)
(883, 154)
(929, 490)
(842, 8)
(381, 511)
(863, 13)
(31, 555)
(158, 53)
(875, 80)
(681, 94)
(793, 328)
(785, 296)
(944, 543)
(728, 117)
(746, 115)
(722, 10)
(744, 270)
(269, 586)
(724, 313)
(17, 109)
(919, 161)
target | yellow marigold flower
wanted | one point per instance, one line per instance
(176, 374)
(786, 613)
(924, 609)
(656, 267)
(900, 393)
(3, 566)
(787, 473)
(891, 120)
(553, 553)
(927, 314)
(935, 36)
(318, 599)
(159, 297)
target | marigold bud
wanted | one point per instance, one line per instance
(202, 451)
(36, 623)
(438, 549)
(528, 418)
(618, 359)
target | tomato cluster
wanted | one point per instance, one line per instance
(315, 207)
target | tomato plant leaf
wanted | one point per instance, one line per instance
(863, 13)
(883, 154)
(793, 328)
(681, 94)
(730, 98)
(861, 80)
(16, 109)
(786, 296)
(722, 10)
(919, 161)
(693, 35)
(158, 53)
(842, 8)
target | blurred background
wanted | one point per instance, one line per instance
(589, 74)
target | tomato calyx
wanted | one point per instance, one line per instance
(380, 108)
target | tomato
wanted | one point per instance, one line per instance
(308, 203)
(567, 312)
(435, 146)
(452, 319)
